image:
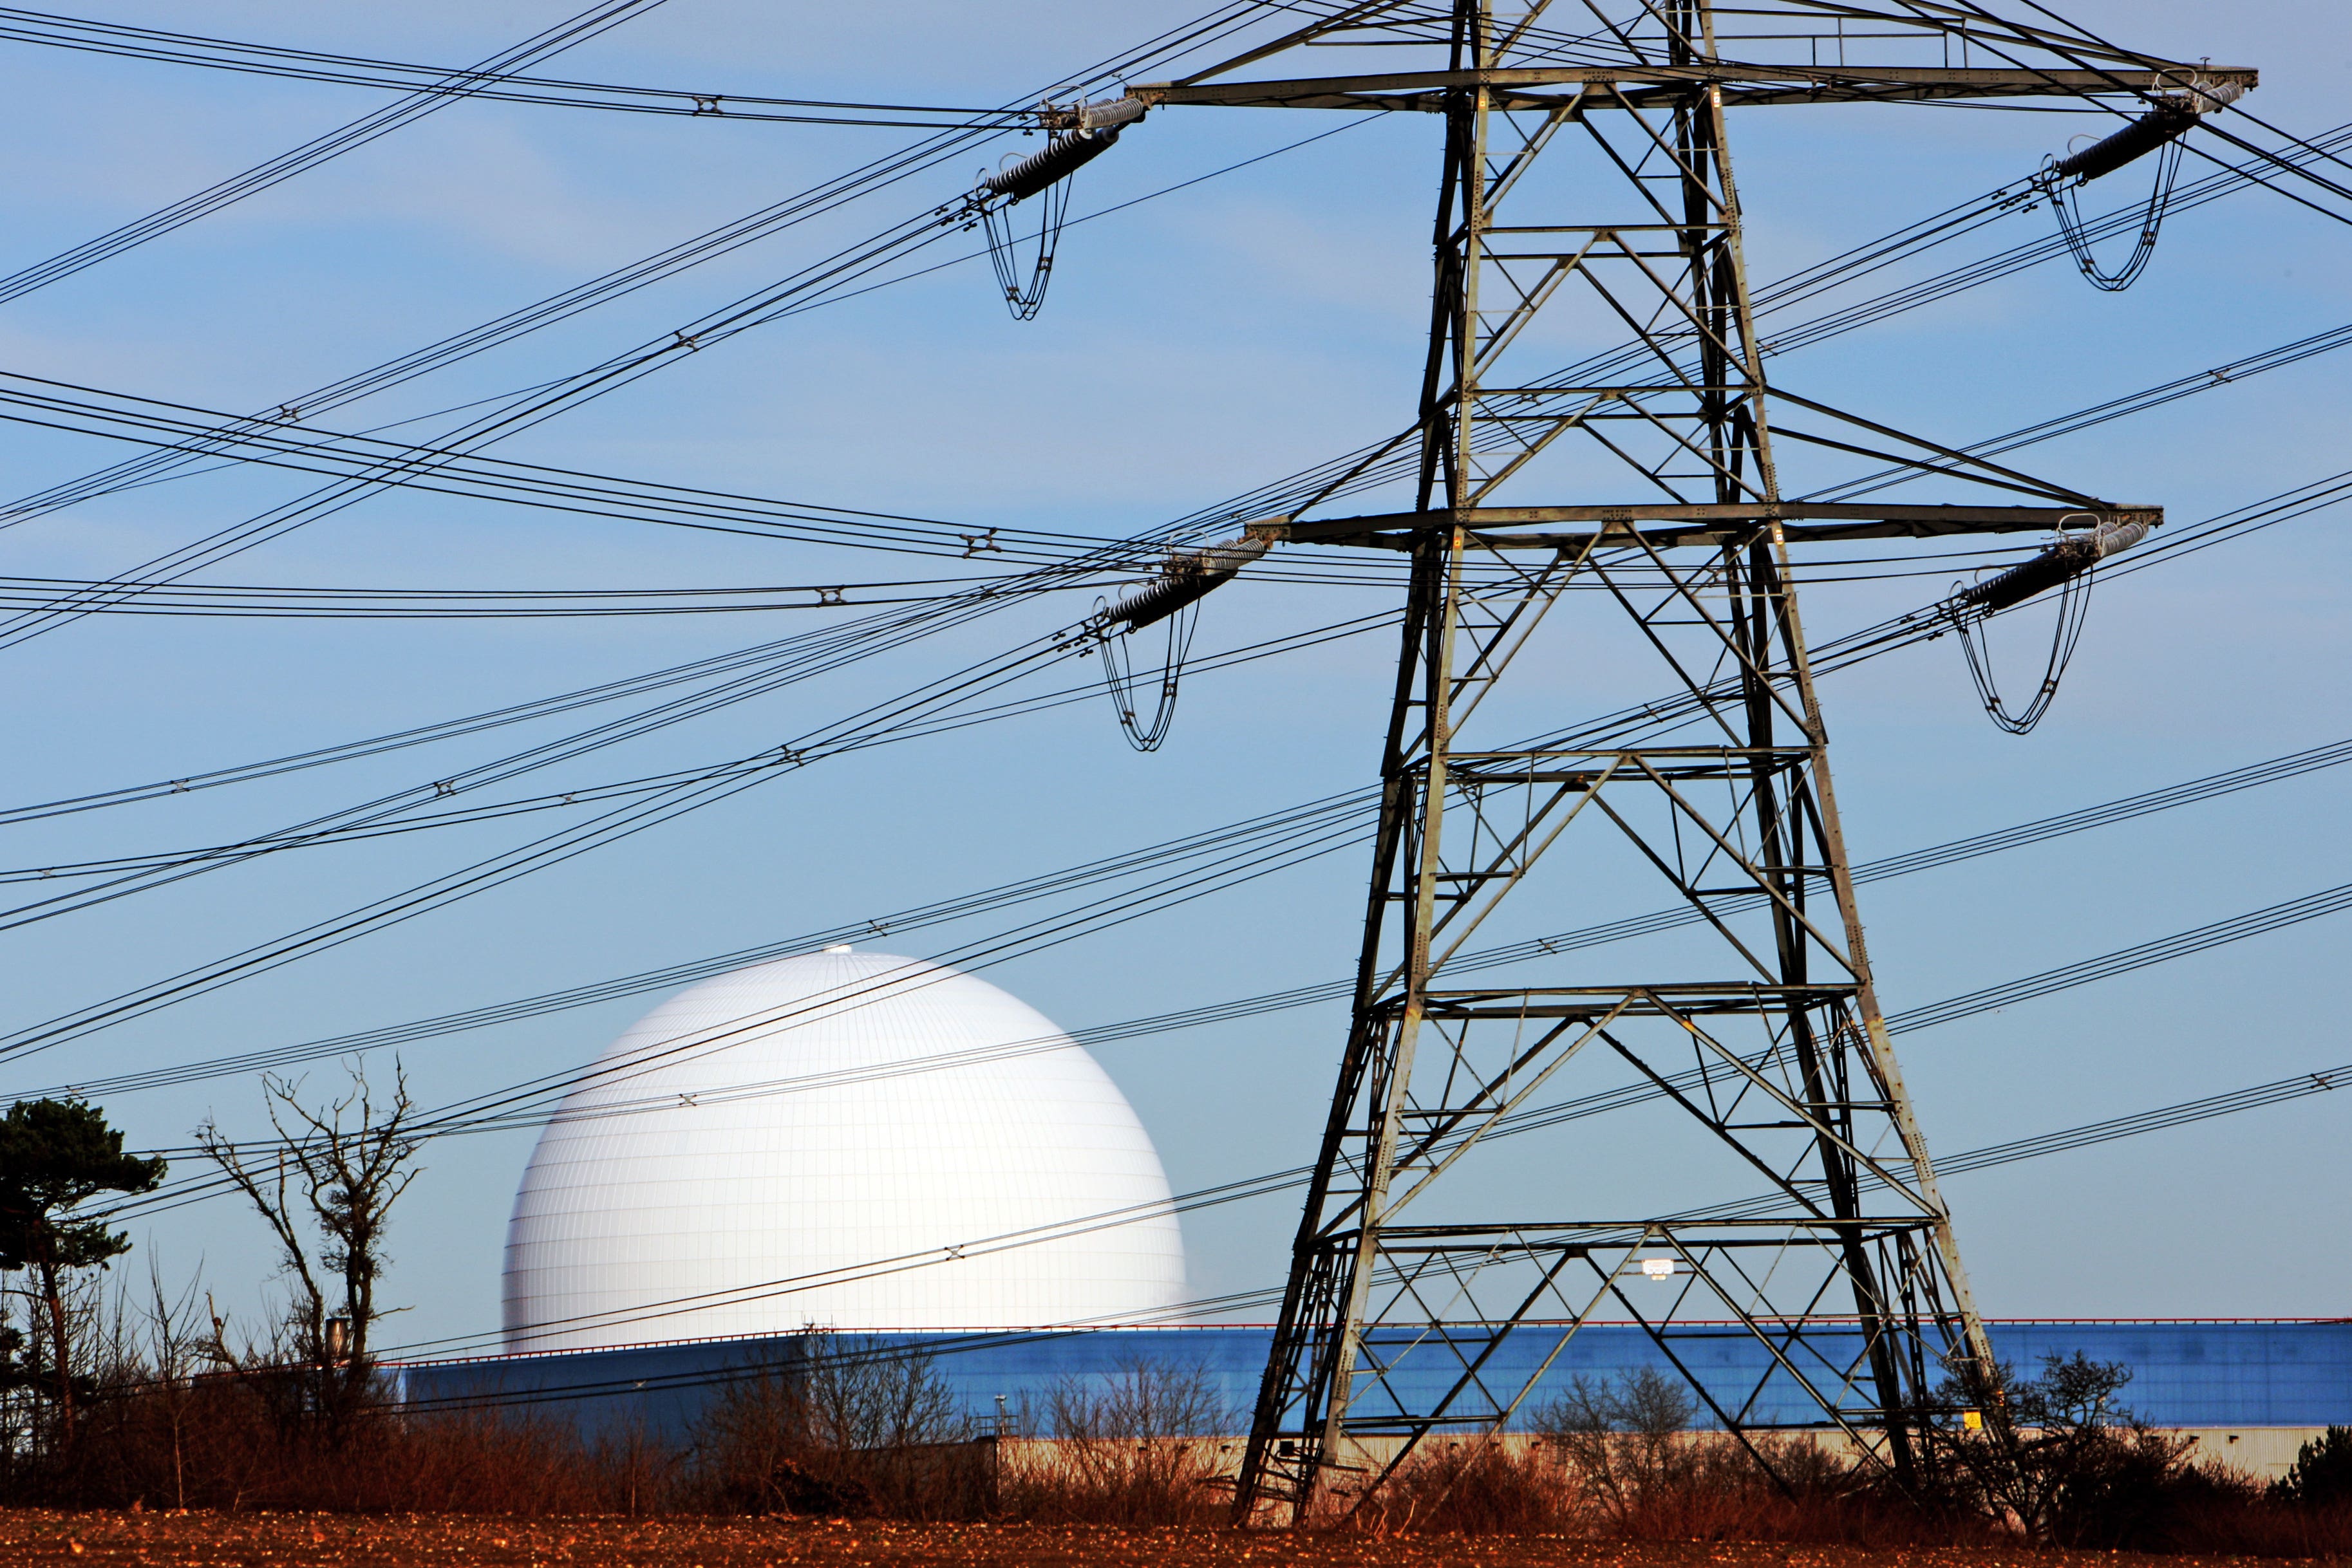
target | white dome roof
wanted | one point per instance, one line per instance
(807, 1141)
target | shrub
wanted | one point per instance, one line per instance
(2322, 1472)
(846, 1427)
(1471, 1485)
(2061, 1460)
(222, 1441)
(1138, 1449)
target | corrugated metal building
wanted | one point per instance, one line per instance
(2256, 1386)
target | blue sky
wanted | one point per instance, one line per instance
(1193, 347)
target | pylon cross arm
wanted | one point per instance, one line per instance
(1744, 84)
(1675, 524)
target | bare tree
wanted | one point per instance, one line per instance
(326, 1187)
(175, 1351)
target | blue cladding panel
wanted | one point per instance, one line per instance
(2184, 1374)
(2209, 1375)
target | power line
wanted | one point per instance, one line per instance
(2163, 1118)
(824, 197)
(527, 1105)
(2124, 960)
(1837, 653)
(928, 709)
(598, 18)
(456, 472)
(352, 70)
(765, 657)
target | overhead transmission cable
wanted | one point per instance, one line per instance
(22, 26)
(527, 1104)
(341, 455)
(720, 783)
(1356, 468)
(1260, 837)
(761, 655)
(1655, 716)
(1809, 281)
(254, 601)
(595, 382)
(450, 470)
(827, 196)
(1336, 822)
(439, 95)
(927, 707)
(534, 1102)
(2189, 1112)
(2282, 163)
(403, 810)
(814, 657)
(1395, 459)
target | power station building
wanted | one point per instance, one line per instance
(843, 1140)
(852, 1153)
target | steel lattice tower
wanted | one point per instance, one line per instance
(1586, 165)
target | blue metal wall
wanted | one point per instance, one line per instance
(2248, 1373)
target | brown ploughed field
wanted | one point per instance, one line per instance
(155, 1540)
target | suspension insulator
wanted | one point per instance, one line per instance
(1111, 113)
(1182, 581)
(1063, 153)
(2171, 117)
(2141, 137)
(2070, 557)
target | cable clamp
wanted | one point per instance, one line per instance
(706, 103)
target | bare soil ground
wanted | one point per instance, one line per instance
(299, 1540)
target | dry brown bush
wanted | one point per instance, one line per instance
(846, 1427)
(1141, 1447)
(1471, 1488)
(2262, 1526)
(1619, 1460)
(221, 1442)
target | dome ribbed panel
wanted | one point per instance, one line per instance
(800, 1143)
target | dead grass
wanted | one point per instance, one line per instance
(121, 1540)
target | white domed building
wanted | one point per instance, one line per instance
(845, 1140)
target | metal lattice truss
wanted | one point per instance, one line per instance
(1587, 183)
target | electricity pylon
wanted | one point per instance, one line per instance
(1434, 1282)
